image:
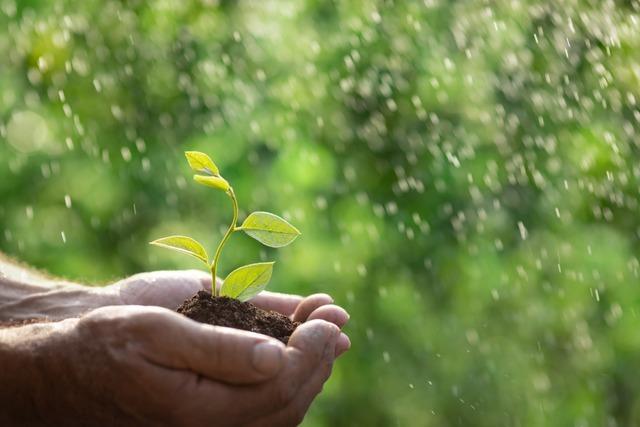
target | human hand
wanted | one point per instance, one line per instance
(170, 288)
(126, 365)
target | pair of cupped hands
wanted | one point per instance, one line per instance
(139, 362)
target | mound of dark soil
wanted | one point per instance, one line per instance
(229, 312)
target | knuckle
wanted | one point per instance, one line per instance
(150, 317)
(97, 322)
(327, 368)
(286, 392)
(118, 321)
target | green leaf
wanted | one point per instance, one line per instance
(185, 245)
(212, 181)
(247, 281)
(202, 163)
(269, 229)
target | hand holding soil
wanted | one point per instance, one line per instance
(135, 362)
(170, 288)
(132, 364)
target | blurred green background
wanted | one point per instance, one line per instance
(465, 175)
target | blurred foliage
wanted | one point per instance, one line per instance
(465, 175)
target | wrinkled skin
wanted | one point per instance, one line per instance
(143, 364)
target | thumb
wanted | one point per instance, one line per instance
(218, 353)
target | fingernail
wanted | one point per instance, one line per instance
(327, 296)
(267, 358)
(335, 331)
(343, 344)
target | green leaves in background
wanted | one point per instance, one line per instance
(269, 229)
(184, 244)
(247, 281)
(201, 163)
(212, 181)
(418, 144)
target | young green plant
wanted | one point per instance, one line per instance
(244, 282)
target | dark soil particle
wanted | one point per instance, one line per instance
(229, 312)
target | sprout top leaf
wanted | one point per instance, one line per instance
(201, 163)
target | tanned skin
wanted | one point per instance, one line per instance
(119, 355)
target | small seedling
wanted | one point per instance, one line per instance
(247, 281)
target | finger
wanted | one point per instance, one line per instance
(343, 344)
(309, 304)
(331, 313)
(282, 303)
(309, 342)
(294, 413)
(222, 354)
(308, 347)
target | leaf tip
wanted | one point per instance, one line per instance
(201, 163)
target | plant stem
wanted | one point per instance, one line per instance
(231, 229)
